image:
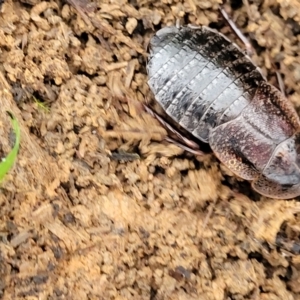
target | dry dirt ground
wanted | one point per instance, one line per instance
(98, 205)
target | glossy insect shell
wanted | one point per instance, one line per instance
(212, 89)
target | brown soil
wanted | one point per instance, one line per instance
(98, 205)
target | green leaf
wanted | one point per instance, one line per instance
(9, 160)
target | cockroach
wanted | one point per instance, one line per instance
(212, 89)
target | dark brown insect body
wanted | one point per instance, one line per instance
(211, 88)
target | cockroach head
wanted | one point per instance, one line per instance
(281, 176)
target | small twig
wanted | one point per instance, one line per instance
(207, 217)
(122, 155)
(82, 7)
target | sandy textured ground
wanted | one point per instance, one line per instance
(98, 205)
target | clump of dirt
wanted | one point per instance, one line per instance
(99, 205)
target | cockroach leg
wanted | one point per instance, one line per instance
(187, 144)
(280, 83)
(184, 147)
(250, 50)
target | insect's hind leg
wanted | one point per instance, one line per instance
(249, 49)
(181, 141)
